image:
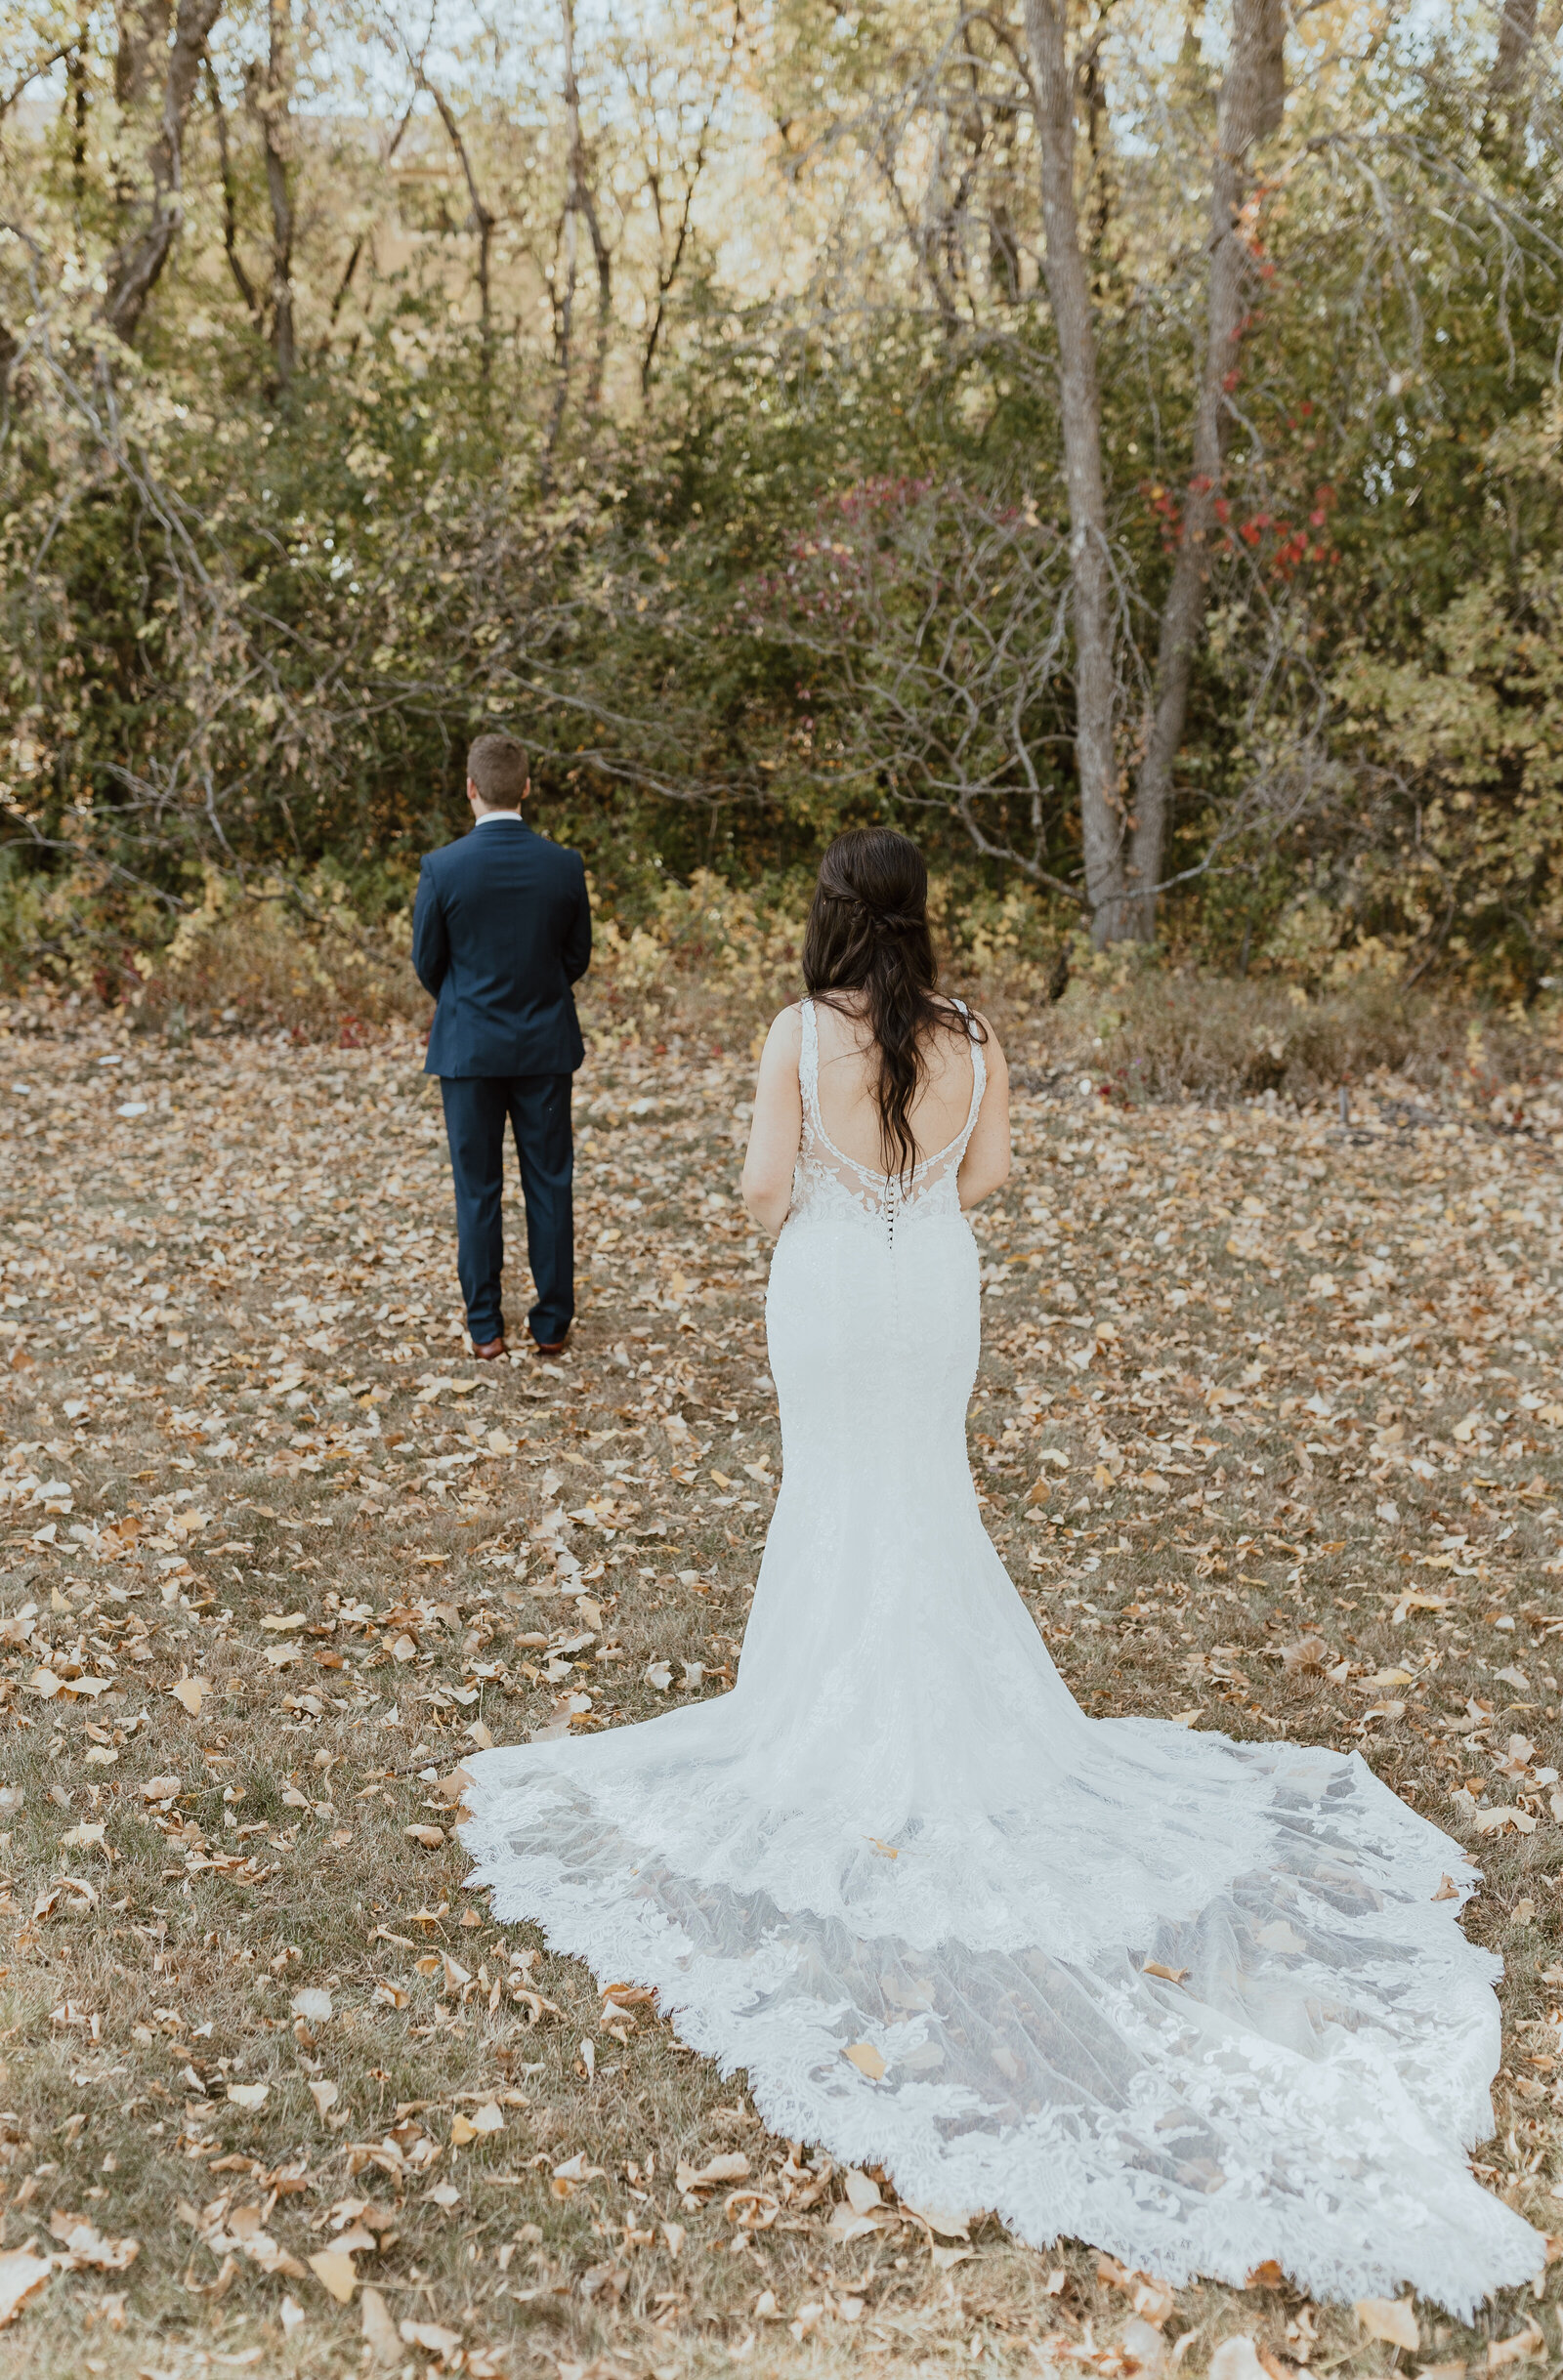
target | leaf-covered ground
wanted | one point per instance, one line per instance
(1267, 1431)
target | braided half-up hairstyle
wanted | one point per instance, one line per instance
(867, 935)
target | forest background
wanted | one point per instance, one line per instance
(1119, 444)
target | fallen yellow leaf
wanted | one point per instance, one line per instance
(379, 2331)
(941, 2219)
(20, 2274)
(733, 2167)
(1390, 2319)
(434, 2335)
(335, 2271)
(1520, 2349)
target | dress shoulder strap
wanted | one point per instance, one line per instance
(808, 1067)
(979, 1073)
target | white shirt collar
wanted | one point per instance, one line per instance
(485, 816)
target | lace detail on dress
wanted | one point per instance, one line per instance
(829, 1183)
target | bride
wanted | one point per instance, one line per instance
(1197, 2002)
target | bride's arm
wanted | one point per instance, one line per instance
(985, 1167)
(777, 1126)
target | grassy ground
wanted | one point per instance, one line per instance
(1267, 1431)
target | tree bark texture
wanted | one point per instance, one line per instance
(1102, 814)
(138, 263)
(1252, 98)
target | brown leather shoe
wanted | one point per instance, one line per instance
(492, 1352)
(552, 1347)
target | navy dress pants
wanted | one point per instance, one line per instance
(538, 1110)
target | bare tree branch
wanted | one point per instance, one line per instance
(31, 74)
(667, 273)
(242, 280)
(482, 221)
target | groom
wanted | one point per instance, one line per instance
(501, 930)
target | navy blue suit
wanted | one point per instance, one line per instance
(501, 930)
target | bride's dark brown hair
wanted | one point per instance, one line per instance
(868, 933)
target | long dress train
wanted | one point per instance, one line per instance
(1191, 2000)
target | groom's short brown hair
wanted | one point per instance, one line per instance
(498, 765)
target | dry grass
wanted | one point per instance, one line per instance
(710, 964)
(275, 954)
(1354, 1382)
(1154, 1034)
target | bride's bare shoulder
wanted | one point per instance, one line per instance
(994, 1057)
(784, 1047)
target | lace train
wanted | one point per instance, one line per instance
(1189, 2000)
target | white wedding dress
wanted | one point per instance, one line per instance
(899, 1837)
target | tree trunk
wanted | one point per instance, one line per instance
(139, 261)
(579, 207)
(271, 99)
(76, 71)
(605, 290)
(1509, 84)
(1516, 31)
(1102, 820)
(1252, 97)
(142, 37)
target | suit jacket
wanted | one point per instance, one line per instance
(501, 930)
